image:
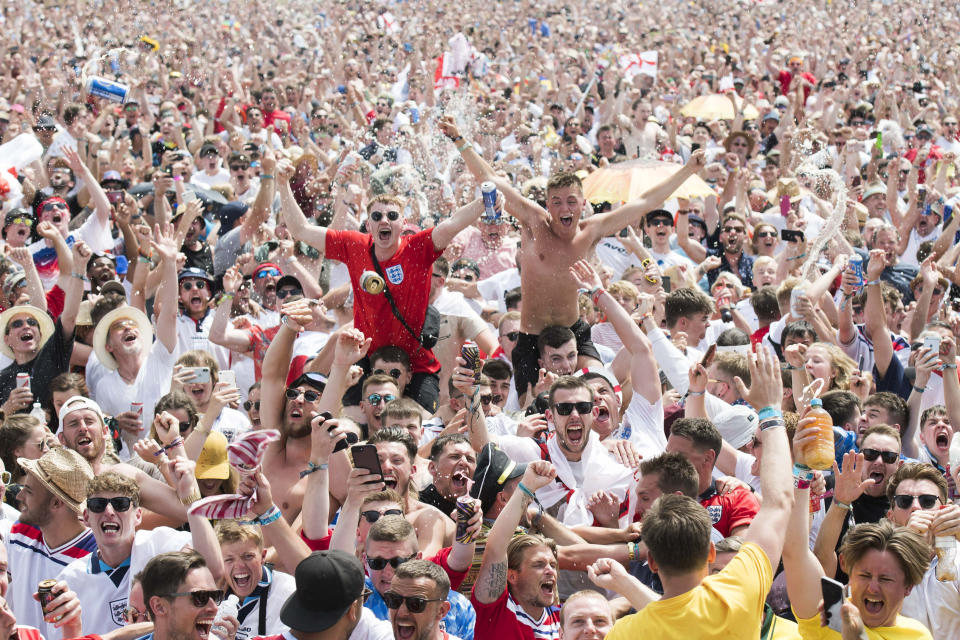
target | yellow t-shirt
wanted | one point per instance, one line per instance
(905, 629)
(784, 629)
(728, 604)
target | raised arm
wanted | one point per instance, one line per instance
(166, 247)
(848, 487)
(951, 384)
(766, 392)
(276, 362)
(492, 579)
(609, 223)
(525, 210)
(98, 197)
(462, 218)
(74, 291)
(875, 314)
(636, 342)
(694, 250)
(221, 331)
(297, 223)
(21, 256)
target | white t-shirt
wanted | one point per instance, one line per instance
(232, 423)
(936, 604)
(909, 255)
(114, 395)
(611, 252)
(103, 590)
(30, 560)
(190, 336)
(282, 585)
(642, 425)
(493, 288)
(369, 628)
(222, 176)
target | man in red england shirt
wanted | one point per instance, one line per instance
(786, 76)
(699, 442)
(405, 261)
(515, 591)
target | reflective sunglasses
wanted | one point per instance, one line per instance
(99, 505)
(24, 221)
(926, 500)
(733, 229)
(200, 598)
(767, 234)
(373, 516)
(263, 273)
(376, 398)
(247, 405)
(415, 604)
(293, 394)
(286, 293)
(392, 216)
(19, 322)
(566, 408)
(378, 564)
(511, 335)
(393, 373)
(199, 284)
(889, 457)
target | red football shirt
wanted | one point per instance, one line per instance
(729, 511)
(504, 619)
(408, 274)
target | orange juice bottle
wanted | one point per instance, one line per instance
(819, 454)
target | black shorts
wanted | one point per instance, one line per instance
(526, 367)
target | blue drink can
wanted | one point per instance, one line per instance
(107, 89)
(856, 263)
(414, 115)
(489, 192)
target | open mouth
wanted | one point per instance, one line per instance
(943, 441)
(575, 434)
(547, 589)
(384, 234)
(459, 481)
(405, 631)
(270, 288)
(390, 482)
(196, 300)
(873, 606)
(83, 441)
(877, 477)
(130, 338)
(603, 415)
(26, 337)
(242, 581)
(110, 527)
(203, 627)
(296, 413)
(566, 221)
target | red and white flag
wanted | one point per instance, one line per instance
(443, 76)
(644, 63)
(387, 23)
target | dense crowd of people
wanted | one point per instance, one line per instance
(422, 321)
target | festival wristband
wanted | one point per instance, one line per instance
(769, 412)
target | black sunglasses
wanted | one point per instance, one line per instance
(378, 564)
(373, 516)
(393, 373)
(927, 501)
(30, 322)
(415, 604)
(767, 234)
(566, 408)
(99, 505)
(889, 457)
(392, 216)
(248, 405)
(486, 398)
(284, 293)
(511, 335)
(200, 598)
(308, 395)
(185, 426)
(199, 284)
(239, 167)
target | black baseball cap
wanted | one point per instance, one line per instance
(659, 213)
(328, 583)
(193, 272)
(316, 380)
(288, 281)
(494, 470)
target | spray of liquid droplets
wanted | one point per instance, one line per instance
(811, 169)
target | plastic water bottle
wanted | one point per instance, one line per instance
(819, 454)
(229, 607)
(38, 413)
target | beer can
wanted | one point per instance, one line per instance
(45, 593)
(470, 352)
(466, 507)
(489, 192)
(107, 89)
(856, 263)
(23, 381)
(137, 408)
(795, 299)
(371, 282)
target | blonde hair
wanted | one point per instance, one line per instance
(843, 365)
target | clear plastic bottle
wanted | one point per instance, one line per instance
(229, 607)
(946, 548)
(38, 413)
(819, 454)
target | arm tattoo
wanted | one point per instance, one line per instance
(493, 584)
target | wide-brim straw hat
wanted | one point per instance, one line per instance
(46, 325)
(100, 333)
(64, 473)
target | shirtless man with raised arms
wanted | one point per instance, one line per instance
(551, 242)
